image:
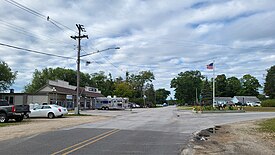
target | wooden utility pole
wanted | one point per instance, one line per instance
(79, 37)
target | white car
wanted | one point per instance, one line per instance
(64, 110)
(49, 111)
(257, 104)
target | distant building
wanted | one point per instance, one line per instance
(56, 92)
(223, 101)
(246, 100)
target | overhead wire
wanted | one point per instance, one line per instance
(36, 13)
(178, 41)
(26, 9)
(35, 51)
(23, 31)
(107, 62)
(162, 41)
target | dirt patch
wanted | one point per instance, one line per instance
(34, 126)
(238, 138)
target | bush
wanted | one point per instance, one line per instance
(208, 108)
(268, 103)
(230, 108)
(204, 108)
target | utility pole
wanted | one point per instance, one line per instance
(144, 98)
(79, 37)
(196, 97)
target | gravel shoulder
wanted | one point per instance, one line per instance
(29, 127)
(238, 138)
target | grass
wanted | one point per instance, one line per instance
(185, 107)
(11, 123)
(260, 109)
(268, 125)
(248, 108)
(78, 115)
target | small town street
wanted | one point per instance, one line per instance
(141, 131)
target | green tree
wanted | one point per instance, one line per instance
(161, 95)
(221, 85)
(138, 81)
(40, 78)
(123, 89)
(233, 86)
(185, 85)
(103, 83)
(7, 77)
(269, 86)
(206, 92)
(250, 85)
(150, 95)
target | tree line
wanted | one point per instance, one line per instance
(135, 86)
(189, 83)
(138, 86)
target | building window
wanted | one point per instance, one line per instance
(11, 100)
(7, 98)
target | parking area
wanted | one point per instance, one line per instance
(35, 126)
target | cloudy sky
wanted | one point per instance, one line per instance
(164, 36)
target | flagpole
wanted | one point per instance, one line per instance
(214, 83)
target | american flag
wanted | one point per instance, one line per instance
(210, 66)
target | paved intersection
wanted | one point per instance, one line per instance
(141, 131)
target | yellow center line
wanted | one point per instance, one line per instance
(75, 145)
(75, 149)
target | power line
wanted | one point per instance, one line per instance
(35, 51)
(110, 62)
(101, 64)
(36, 13)
(33, 12)
(23, 31)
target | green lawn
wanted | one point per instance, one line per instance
(268, 125)
(185, 107)
(260, 109)
(7, 124)
(10, 123)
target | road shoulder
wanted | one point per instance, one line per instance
(237, 138)
(35, 126)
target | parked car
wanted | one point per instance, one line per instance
(64, 111)
(136, 106)
(164, 104)
(252, 104)
(133, 105)
(257, 104)
(241, 104)
(49, 111)
(16, 112)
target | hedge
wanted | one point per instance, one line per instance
(268, 103)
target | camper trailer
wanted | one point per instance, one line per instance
(106, 103)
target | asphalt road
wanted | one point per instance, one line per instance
(141, 131)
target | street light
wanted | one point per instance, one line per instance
(54, 91)
(78, 74)
(111, 48)
(1, 83)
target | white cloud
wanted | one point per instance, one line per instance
(166, 37)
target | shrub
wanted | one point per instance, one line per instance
(208, 108)
(268, 103)
(230, 108)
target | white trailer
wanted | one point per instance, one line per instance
(107, 103)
